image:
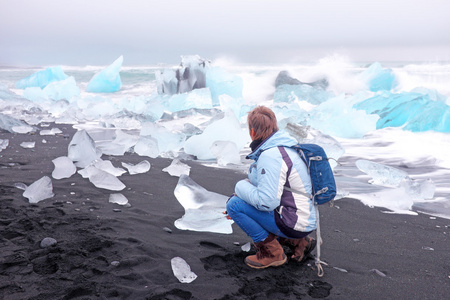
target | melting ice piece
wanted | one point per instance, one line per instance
(9, 123)
(222, 82)
(226, 153)
(3, 144)
(118, 199)
(419, 189)
(142, 167)
(42, 78)
(177, 168)
(22, 129)
(147, 146)
(119, 145)
(20, 185)
(168, 141)
(27, 145)
(107, 166)
(64, 167)
(39, 190)
(382, 174)
(82, 150)
(102, 179)
(64, 89)
(182, 270)
(107, 80)
(52, 131)
(203, 209)
(246, 247)
(226, 129)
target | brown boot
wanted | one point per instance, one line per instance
(269, 254)
(300, 247)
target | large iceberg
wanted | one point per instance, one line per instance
(203, 209)
(108, 80)
(379, 79)
(42, 78)
(221, 82)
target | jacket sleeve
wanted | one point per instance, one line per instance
(265, 194)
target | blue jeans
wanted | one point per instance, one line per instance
(255, 223)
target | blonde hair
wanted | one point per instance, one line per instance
(263, 121)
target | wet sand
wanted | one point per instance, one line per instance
(370, 254)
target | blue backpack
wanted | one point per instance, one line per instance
(319, 169)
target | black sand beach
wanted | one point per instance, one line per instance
(371, 255)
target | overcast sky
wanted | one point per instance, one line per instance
(96, 32)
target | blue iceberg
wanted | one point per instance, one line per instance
(379, 79)
(302, 92)
(107, 80)
(42, 78)
(220, 82)
(412, 111)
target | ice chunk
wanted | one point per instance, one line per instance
(64, 167)
(82, 150)
(378, 78)
(14, 125)
(234, 104)
(419, 190)
(381, 174)
(190, 75)
(22, 129)
(220, 82)
(39, 190)
(122, 143)
(64, 89)
(226, 129)
(284, 78)
(142, 167)
(42, 78)
(118, 199)
(226, 153)
(246, 247)
(177, 168)
(27, 145)
(102, 179)
(20, 185)
(107, 166)
(52, 131)
(168, 141)
(203, 209)
(147, 146)
(198, 98)
(3, 144)
(107, 80)
(182, 270)
(303, 92)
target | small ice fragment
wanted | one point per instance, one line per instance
(419, 189)
(167, 229)
(27, 145)
(381, 174)
(22, 129)
(378, 272)
(432, 218)
(427, 248)
(102, 179)
(52, 131)
(20, 185)
(64, 167)
(107, 166)
(246, 247)
(340, 269)
(39, 190)
(115, 263)
(356, 240)
(48, 242)
(177, 168)
(182, 270)
(3, 144)
(44, 141)
(118, 199)
(142, 167)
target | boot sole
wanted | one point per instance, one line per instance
(307, 252)
(274, 264)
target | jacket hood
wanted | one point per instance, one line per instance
(279, 138)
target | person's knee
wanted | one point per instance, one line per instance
(232, 204)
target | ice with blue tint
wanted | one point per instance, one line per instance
(63, 89)
(236, 105)
(379, 79)
(9, 123)
(64, 167)
(226, 129)
(147, 146)
(221, 82)
(414, 111)
(82, 150)
(39, 190)
(42, 78)
(226, 152)
(382, 174)
(169, 142)
(203, 209)
(142, 167)
(108, 80)
(302, 92)
(177, 168)
(198, 98)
